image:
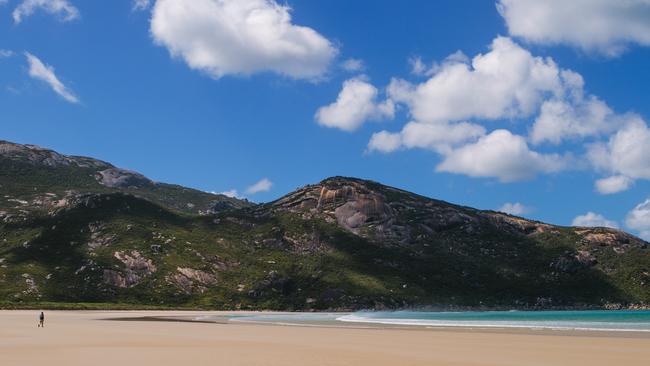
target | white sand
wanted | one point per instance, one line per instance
(80, 338)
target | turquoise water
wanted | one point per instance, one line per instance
(610, 320)
(620, 320)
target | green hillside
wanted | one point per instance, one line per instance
(68, 234)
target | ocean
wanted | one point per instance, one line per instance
(599, 320)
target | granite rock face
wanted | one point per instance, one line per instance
(190, 280)
(122, 178)
(136, 267)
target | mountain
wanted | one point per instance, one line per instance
(78, 230)
(34, 174)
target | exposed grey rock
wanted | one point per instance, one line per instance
(136, 268)
(190, 280)
(122, 178)
(114, 278)
(32, 288)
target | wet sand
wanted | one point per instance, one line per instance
(88, 338)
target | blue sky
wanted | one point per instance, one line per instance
(218, 95)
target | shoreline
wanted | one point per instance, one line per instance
(442, 308)
(226, 318)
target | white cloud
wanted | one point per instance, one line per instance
(355, 104)
(39, 71)
(439, 137)
(353, 65)
(605, 26)
(506, 82)
(591, 219)
(264, 185)
(384, 141)
(501, 155)
(418, 67)
(240, 37)
(574, 116)
(516, 208)
(627, 152)
(6, 53)
(63, 9)
(231, 193)
(449, 110)
(639, 219)
(613, 184)
(139, 5)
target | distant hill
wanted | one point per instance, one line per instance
(79, 230)
(36, 174)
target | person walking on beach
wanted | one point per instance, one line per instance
(41, 320)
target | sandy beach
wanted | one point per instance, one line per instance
(87, 338)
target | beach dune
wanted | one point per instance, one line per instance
(86, 338)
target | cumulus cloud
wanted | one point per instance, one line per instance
(625, 155)
(501, 155)
(516, 208)
(591, 219)
(574, 115)
(505, 82)
(353, 65)
(460, 96)
(439, 137)
(355, 104)
(613, 184)
(139, 5)
(385, 142)
(40, 71)
(240, 37)
(639, 219)
(420, 68)
(63, 9)
(264, 185)
(604, 26)
(6, 53)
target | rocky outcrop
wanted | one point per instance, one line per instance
(190, 280)
(136, 267)
(517, 224)
(348, 202)
(122, 178)
(610, 238)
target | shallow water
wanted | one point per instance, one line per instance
(605, 320)
(612, 320)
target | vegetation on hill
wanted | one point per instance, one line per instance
(70, 234)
